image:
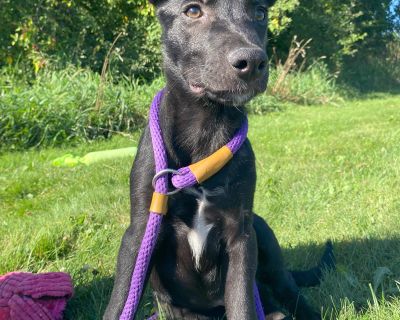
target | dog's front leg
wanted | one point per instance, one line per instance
(239, 298)
(126, 258)
(141, 191)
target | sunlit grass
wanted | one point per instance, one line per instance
(323, 172)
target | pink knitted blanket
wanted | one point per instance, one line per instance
(29, 296)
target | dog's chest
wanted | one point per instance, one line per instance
(198, 234)
(192, 261)
(201, 234)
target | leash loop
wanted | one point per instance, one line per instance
(163, 173)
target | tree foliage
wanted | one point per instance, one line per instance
(356, 37)
(82, 32)
(279, 15)
(338, 28)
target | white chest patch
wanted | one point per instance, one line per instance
(197, 236)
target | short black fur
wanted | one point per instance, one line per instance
(214, 62)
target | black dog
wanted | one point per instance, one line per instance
(211, 244)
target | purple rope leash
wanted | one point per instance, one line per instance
(154, 223)
(184, 179)
(257, 299)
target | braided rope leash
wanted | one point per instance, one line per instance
(182, 178)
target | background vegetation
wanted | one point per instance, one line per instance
(81, 32)
(349, 33)
(357, 38)
(73, 105)
(83, 70)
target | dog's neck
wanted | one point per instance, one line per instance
(194, 128)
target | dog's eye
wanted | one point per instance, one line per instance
(261, 14)
(194, 12)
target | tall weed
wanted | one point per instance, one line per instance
(315, 85)
(59, 106)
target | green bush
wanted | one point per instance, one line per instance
(60, 107)
(375, 70)
(351, 34)
(81, 33)
(315, 85)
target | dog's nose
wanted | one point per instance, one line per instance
(248, 63)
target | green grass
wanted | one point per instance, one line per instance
(323, 172)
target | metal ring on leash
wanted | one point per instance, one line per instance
(163, 173)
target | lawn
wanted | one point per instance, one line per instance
(323, 173)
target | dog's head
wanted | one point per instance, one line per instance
(215, 49)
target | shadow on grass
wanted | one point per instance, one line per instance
(365, 268)
(90, 301)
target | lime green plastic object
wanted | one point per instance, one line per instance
(69, 160)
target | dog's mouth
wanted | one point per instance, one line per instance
(230, 98)
(197, 89)
(225, 97)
